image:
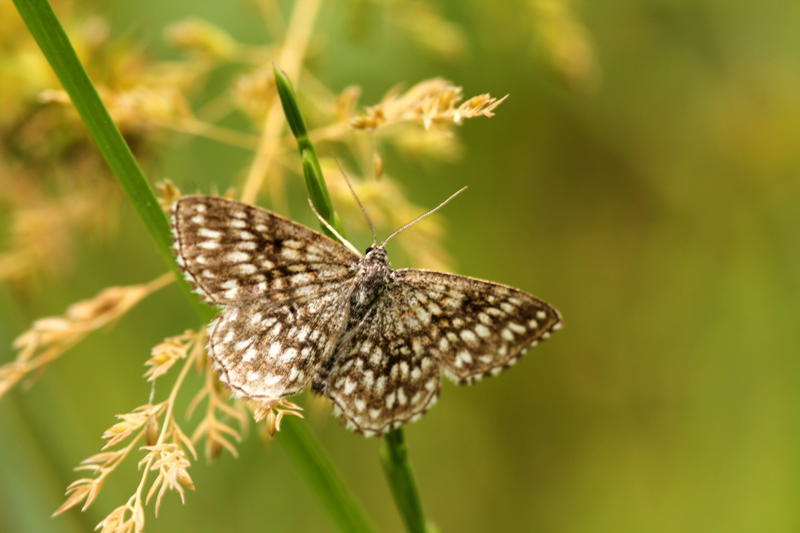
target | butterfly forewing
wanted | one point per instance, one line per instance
(479, 328)
(267, 351)
(387, 374)
(232, 252)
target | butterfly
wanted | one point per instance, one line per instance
(299, 307)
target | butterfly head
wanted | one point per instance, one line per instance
(376, 254)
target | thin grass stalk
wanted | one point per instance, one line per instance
(394, 458)
(394, 454)
(312, 172)
(301, 445)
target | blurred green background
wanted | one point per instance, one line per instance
(656, 205)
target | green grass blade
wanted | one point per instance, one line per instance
(312, 172)
(394, 457)
(300, 444)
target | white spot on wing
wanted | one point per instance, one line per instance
(288, 355)
(376, 357)
(238, 257)
(513, 326)
(468, 336)
(416, 345)
(209, 233)
(274, 349)
(241, 345)
(246, 268)
(368, 379)
(380, 385)
(230, 294)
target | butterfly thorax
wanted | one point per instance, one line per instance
(373, 275)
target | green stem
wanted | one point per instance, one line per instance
(315, 181)
(301, 445)
(394, 456)
(394, 453)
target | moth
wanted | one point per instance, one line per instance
(299, 307)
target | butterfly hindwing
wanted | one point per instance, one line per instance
(267, 351)
(387, 373)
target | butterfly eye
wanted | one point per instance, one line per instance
(368, 250)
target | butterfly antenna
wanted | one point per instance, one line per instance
(432, 211)
(341, 239)
(374, 235)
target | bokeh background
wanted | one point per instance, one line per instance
(642, 177)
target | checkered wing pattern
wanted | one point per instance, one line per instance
(476, 328)
(267, 351)
(298, 305)
(387, 374)
(233, 252)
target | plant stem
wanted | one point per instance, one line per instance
(394, 454)
(43, 24)
(394, 457)
(312, 172)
